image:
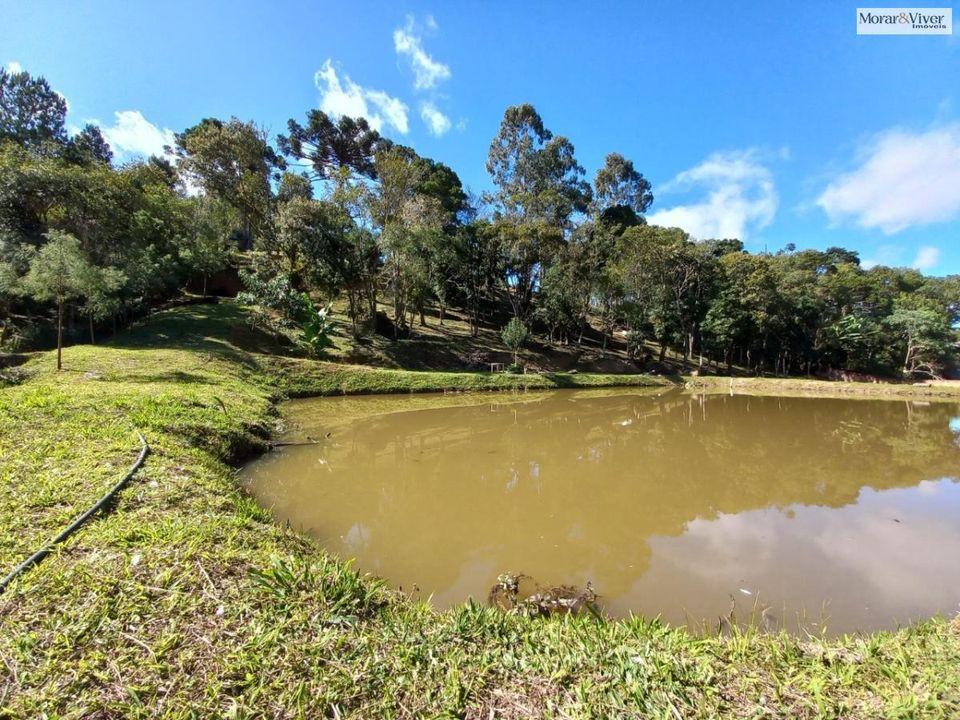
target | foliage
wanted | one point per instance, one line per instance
(316, 327)
(339, 212)
(31, 113)
(272, 292)
(233, 162)
(206, 250)
(515, 335)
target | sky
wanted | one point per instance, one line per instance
(772, 122)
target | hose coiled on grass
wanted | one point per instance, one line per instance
(76, 524)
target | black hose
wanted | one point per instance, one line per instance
(75, 525)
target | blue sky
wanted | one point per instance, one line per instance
(771, 121)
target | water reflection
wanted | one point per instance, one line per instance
(670, 504)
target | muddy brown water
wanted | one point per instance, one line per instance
(805, 512)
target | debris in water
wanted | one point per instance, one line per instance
(562, 599)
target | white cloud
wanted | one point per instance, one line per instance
(437, 123)
(14, 67)
(133, 134)
(348, 98)
(904, 179)
(427, 72)
(928, 257)
(740, 197)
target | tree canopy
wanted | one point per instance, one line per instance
(333, 210)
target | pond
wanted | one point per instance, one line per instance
(802, 512)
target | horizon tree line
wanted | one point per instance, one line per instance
(332, 210)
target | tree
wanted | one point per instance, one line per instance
(539, 186)
(515, 335)
(89, 146)
(618, 185)
(536, 174)
(305, 247)
(671, 279)
(31, 113)
(925, 335)
(294, 185)
(407, 218)
(57, 273)
(340, 156)
(233, 162)
(100, 289)
(206, 249)
(327, 146)
(477, 267)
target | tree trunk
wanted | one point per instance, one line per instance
(907, 360)
(205, 284)
(93, 340)
(59, 334)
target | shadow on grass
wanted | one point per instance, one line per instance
(223, 329)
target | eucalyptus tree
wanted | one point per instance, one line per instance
(233, 162)
(408, 220)
(618, 185)
(621, 195)
(477, 268)
(671, 279)
(440, 245)
(540, 187)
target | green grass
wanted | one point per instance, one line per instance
(303, 378)
(186, 601)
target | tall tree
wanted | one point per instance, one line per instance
(339, 154)
(407, 217)
(31, 112)
(233, 162)
(89, 146)
(618, 185)
(327, 146)
(539, 187)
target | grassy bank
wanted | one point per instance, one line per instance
(805, 387)
(187, 601)
(305, 378)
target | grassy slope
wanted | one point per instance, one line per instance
(186, 601)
